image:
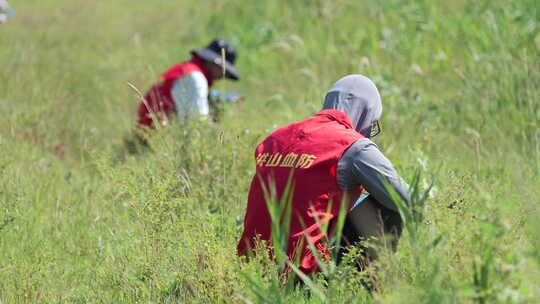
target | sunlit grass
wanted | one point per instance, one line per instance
(82, 220)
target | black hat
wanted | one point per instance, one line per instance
(212, 53)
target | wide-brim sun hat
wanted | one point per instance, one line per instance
(213, 53)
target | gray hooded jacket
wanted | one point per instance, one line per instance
(363, 163)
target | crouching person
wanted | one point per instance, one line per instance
(330, 159)
(184, 91)
(184, 88)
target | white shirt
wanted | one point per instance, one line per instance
(190, 95)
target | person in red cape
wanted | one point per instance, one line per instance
(184, 88)
(330, 159)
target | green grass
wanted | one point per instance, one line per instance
(83, 221)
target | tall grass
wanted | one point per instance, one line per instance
(82, 220)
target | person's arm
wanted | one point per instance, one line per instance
(364, 164)
(190, 95)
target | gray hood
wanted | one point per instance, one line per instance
(358, 97)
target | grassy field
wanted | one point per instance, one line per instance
(82, 221)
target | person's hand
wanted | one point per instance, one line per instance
(233, 98)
